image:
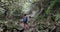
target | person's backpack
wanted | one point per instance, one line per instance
(25, 19)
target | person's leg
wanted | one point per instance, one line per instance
(26, 26)
(24, 30)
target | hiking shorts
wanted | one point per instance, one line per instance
(25, 22)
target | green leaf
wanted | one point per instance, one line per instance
(57, 17)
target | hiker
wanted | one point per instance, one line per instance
(25, 19)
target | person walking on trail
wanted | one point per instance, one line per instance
(25, 19)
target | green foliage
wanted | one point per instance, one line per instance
(50, 6)
(58, 29)
(42, 17)
(58, 1)
(2, 11)
(42, 27)
(57, 17)
(16, 13)
(13, 6)
(2, 21)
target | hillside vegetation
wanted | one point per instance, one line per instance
(47, 15)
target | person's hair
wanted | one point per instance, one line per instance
(24, 14)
